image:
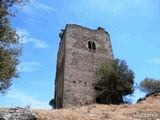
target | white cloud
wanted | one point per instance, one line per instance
(23, 99)
(153, 61)
(156, 61)
(38, 43)
(29, 66)
(44, 7)
(37, 6)
(114, 8)
(23, 32)
(26, 39)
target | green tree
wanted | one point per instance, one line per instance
(149, 85)
(115, 80)
(10, 47)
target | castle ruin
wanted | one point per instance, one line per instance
(81, 52)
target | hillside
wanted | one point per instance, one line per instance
(147, 109)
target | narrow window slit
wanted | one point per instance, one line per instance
(94, 46)
(89, 44)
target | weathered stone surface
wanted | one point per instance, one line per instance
(81, 52)
(17, 114)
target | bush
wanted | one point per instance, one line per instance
(51, 103)
(115, 81)
(149, 85)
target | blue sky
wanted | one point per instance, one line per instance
(133, 26)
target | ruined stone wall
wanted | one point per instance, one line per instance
(58, 97)
(81, 63)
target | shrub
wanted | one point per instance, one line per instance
(115, 80)
(149, 85)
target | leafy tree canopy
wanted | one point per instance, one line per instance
(115, 80)
(149, 85)
(10, 47)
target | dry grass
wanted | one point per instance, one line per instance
(150, 107)
(139, 111)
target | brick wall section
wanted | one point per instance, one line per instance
(77, 65)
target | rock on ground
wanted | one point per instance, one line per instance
(17, 114)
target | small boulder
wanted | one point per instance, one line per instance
(17, 114)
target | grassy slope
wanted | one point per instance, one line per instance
(150, 106)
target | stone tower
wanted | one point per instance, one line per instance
(81, 51)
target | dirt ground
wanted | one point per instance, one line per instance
(148, 109)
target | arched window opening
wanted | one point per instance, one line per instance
(94, 46)
(89, 45)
